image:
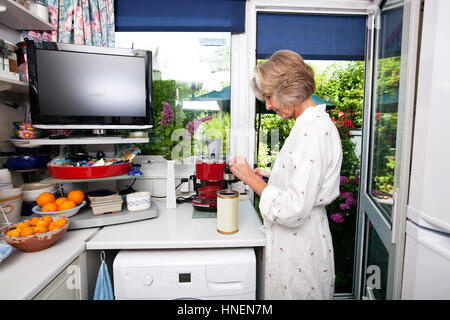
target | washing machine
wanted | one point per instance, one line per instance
(224, 273)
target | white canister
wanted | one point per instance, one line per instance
(227, 211)
(138, 201)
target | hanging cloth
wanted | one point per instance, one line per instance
(86, 22)
(103, 287)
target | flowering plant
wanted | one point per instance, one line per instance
(342, 212)
(177, 137)
(166, 127)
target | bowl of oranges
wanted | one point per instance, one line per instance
(48, 204)
(36, 233)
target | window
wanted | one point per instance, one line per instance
(191, 72)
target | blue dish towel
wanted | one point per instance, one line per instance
(103, 287)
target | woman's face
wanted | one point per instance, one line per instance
(272, 104)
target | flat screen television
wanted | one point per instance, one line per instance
(87, 87)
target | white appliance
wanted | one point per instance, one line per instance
(427, 247)
(185, 274)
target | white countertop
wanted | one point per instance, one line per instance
(175, 228)
(25, 274)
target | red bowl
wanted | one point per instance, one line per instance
(89, 172)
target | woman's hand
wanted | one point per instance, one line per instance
(241, 169)
(261, 173)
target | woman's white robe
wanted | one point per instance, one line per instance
(305, 177)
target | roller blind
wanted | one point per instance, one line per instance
(315, 37)
(180, 15)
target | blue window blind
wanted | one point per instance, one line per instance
(314, 37)
(180, 15)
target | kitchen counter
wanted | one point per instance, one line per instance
(24, 274)
(175, 228)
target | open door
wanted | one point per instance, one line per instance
(391, 53)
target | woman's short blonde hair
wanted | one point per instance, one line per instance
(286, 77)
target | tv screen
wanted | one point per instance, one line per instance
(77, 87)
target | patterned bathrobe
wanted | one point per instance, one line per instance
(304, 179)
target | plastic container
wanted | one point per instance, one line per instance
(92, 172)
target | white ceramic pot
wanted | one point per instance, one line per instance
(6, 193)
(138, 201)
(32, 190)
(5, 178)
(12, 207)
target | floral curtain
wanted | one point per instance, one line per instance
(89, 22)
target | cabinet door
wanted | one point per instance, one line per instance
(68, 285)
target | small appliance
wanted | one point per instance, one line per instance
(212, 174)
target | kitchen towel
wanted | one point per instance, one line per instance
(103, 287)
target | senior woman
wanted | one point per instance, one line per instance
(304, 179)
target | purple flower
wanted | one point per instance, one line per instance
(344, 206)
(166, 115)
(337, 218)
(194, 124)
(356, 179)
(343, 180)
(347, 195)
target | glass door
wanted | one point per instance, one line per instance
(387, 69)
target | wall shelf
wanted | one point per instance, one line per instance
(51, 180)
(77, 140)
(14, 86)
(20, 18)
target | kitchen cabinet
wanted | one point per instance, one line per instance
(70, 284)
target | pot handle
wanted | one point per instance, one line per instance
(6, 210)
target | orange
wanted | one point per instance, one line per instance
(49, 207)
(13, 233)
(40, 229)
(61, 222)
(45, 198)
(23, 225)
(42, 223)
(76, 195)
(28, 231)
(52, 226)
(68, 204)
(33, 221)
(60, 200)
(47, 219)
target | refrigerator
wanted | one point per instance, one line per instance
(426, 272)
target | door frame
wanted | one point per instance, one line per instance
(393, 236)
(243, 63)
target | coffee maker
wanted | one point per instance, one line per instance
(212, 174)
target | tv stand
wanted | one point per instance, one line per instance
(73, 140)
